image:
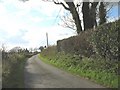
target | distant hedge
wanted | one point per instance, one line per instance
(102, 41)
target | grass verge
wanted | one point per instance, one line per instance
(100, 71)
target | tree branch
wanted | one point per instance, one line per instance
(68, 23)
(62, 5)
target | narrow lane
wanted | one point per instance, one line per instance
(41, 75)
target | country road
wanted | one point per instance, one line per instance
(41, 75)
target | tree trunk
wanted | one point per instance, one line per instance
(93, 14)
(75, 16)
(102, 13)
(89, 15)
(86, 16)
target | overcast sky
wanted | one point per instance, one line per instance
(25, 24)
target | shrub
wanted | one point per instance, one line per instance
(13, 71)
(77, 44)
(51, 50)
(105, 40)
(102, 41)
(99, 70)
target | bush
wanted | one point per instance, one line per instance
(51, 50)
(102, 41)
(13, 71)
(105, 40)
(98, 70)
(77, 44)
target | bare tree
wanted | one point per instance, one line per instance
(67, 21)
(89, 11)
(92, 12)
(70, 6)
(4, 54)
(3, 47)
(104, 9)
(89, 14)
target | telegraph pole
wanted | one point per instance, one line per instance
(47, 38)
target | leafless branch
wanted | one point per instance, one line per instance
(68, 22)
(60, 3)
(109, 8)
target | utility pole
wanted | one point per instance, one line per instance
(47, 38)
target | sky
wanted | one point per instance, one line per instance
(26, 24)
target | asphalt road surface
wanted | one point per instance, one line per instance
(41, 75)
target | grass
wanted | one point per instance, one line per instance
(98, 70)
(13, 71)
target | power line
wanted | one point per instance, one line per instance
(57, 16)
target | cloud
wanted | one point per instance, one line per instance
(26, 24)
(18, 39)
(37, 36)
